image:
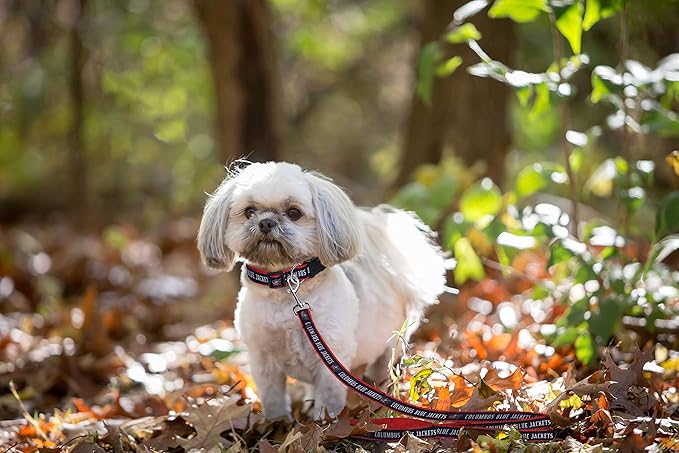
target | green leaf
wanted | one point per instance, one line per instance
(419, 384)
(443, 190)
(598, 10)
(605, 321)
(576, 159)
(468, 263)
(537, 176)
(575, 314)
(599, 89)
(567, 337)
(605, 81)
(412, 196)
(667, 216)
(425, 71)
(569, 24)
(564, 249)
(518, 10)
(415, 361)
(660, 121)
(455, 227)
(463, 33)
(448, 67)
(524, 94)
(585, 348)
(173, 131)
(633, 198)
(481, 199)
(542, 101)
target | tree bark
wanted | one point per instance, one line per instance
(245, 76)
(77, 160)
(467, 113)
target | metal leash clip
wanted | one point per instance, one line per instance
(293, 282)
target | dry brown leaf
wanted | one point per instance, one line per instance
(414, 444)
(461, 391)
(306, 438)
(266, 447)
(87, 446)
(511, 382)
(289, 444)
(442, 400)
(628, 387)
(633, 374)
(212, 418)
(169, 434)
(478, 402)
(344, 428)
(113, 438)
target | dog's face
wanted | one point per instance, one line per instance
(276, 215)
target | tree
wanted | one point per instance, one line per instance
(468, 113)
(77, 161)
(244, 67)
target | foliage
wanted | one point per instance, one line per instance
(598, 278)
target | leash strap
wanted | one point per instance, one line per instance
(278, 279)
(534, 427)
(396, 428)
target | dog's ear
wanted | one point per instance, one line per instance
(338, 233)
(212, 233)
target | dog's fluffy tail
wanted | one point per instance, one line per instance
(418, 264)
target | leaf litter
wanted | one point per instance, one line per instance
(113, 347)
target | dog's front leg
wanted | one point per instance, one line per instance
(330, 395)
(270, 380)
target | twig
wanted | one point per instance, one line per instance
(11, 447)
(29, 418)
(624, 55)
(565, 146)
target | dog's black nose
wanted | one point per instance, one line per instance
(266, 225)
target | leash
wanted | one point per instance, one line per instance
(534, 427)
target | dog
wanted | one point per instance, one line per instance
(363, 272)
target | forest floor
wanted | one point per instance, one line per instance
(123, 342)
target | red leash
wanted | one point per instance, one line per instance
(534, 427)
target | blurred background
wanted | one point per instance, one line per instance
(126, 111)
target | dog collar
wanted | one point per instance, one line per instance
(277, 279)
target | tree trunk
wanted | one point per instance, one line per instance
(245, 75)
(77, 161)
(467, 113)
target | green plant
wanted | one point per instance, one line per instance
(598, 273)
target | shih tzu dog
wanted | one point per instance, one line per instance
(364, 272)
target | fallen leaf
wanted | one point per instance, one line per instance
(86, 446)
(347, 426)
(442, 400)
(266, 447)
(461, 391)
(211, 418)
(512, 382)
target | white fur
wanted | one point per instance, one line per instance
(382, 269)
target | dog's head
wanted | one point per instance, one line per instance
(276, 215)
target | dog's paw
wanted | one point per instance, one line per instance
(328, 407)
(276, 412)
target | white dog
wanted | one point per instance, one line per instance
(372, 269)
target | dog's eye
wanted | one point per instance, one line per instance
(249, 211)
(293, 214)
